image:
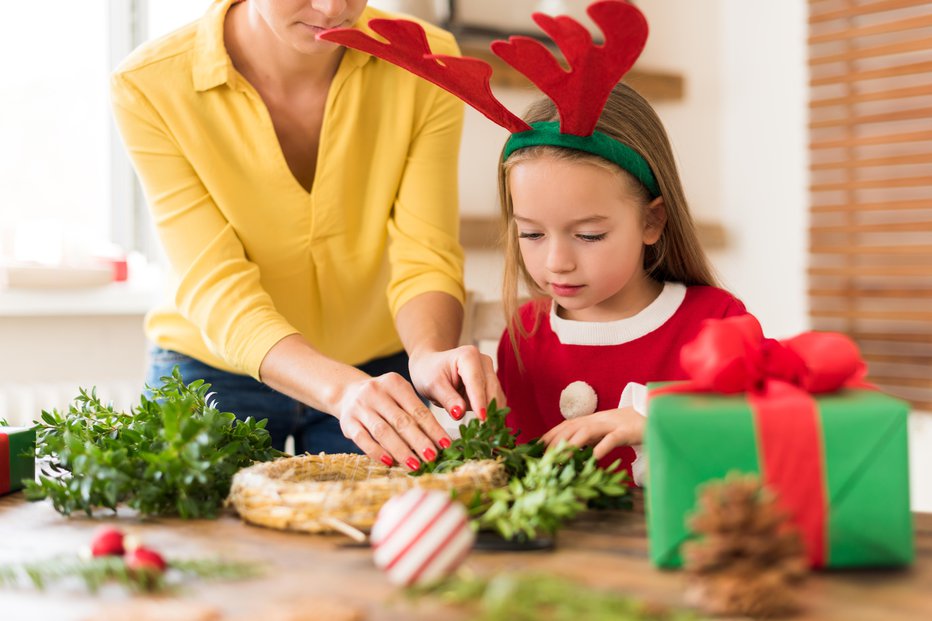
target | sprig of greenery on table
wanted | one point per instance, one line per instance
(545, 488)
(98, 571)
(173, 454)
(534, 597)
(554, 488)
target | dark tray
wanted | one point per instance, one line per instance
(491, 541)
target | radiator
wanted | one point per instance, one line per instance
(20, 404)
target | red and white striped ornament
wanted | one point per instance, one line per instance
(421, 536)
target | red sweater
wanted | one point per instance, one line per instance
(607, 356)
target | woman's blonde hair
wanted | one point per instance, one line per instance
(676, 256)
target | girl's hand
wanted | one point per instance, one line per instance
(386, 419)
(457, 380)
(603, 430)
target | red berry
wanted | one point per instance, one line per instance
(146, 560)
(107, 542)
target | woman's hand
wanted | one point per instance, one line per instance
(382, 415)
(386, 419)
(603, 430)
(457, 380)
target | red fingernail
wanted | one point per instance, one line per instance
(444, 443)
(456, 412)
(481, 413)
(413, 463)
(387, 460)
(430, 454)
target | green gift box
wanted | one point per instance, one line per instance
(17, 457)
(857, 481)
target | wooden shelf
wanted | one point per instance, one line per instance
(483, 233)
(655, 86)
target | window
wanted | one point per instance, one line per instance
(54, 130)
(67, 189)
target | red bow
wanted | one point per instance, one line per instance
(731, 356)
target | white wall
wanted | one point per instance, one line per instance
(764, 174)
(686, 38)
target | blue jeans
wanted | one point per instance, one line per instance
(313, 431)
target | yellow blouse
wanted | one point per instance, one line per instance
(253, 256)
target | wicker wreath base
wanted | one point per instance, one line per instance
(318, 493)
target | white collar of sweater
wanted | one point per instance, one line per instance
(657, 313)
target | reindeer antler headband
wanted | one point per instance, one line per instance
(580, 93)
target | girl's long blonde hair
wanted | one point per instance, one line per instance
(677, 256)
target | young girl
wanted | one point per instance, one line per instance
(619, 280)
(598, 228)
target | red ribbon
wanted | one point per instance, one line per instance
(779, 377)
(4, 463)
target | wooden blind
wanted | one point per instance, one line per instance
(870, 270)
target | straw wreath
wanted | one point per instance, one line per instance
(323, 493)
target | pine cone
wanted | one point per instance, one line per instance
(747, 556)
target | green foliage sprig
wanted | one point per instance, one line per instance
(173, 454)
(488, 439)
(95, 572)
(554, 488)
(545, 489)
(538, 597)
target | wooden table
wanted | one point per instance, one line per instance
(603, 549)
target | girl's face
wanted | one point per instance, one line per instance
(582, 233)
(298, 22)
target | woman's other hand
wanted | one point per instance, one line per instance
(603, 431)
(457, 380)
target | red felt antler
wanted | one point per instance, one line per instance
(580, 93)
(407, 47)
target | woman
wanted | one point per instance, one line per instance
(305, 196)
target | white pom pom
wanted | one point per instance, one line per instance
(578, 399)
(421, 536)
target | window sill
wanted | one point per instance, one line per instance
(115, 299)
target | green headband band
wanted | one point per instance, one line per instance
(548, 133)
